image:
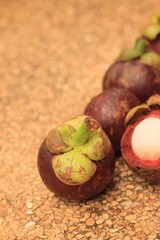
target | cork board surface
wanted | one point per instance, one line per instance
(53, 55)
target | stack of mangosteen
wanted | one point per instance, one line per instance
(76, 160)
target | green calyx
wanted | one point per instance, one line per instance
(129, 54)
(140, 52)
(76, 144)
(135, 52)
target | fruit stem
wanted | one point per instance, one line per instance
(81, 136)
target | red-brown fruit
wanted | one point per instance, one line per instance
(140, 143)
(104, 167)
(110, 108)
(141, 79)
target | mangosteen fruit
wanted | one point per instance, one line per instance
(76, 159)
(136, 70)
(140, 143)
(109, 108)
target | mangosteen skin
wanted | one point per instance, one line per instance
(151, 175)
(154, 45)
(109, 108)
(149, 171)
(102, 176)
(141, 79)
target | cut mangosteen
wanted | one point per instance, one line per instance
(140, 143)
(76, 160)
(109, 108)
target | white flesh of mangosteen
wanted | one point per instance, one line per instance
(146, 139)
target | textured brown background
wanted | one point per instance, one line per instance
(53, 55)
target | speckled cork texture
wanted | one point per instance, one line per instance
(53, 56)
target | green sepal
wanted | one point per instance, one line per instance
(151, 58)
(73, 168)
(129, 54)
(97, 147)
(141, 45)
(152, 31)
(136, 52)
(58, 139)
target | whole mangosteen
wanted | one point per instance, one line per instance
(136, 70)
(140, 144)
(76, 160)
(110, 108)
